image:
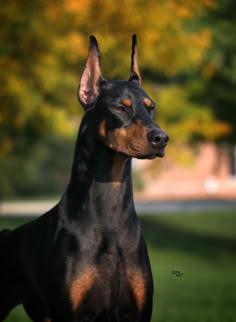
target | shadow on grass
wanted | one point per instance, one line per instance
(169, 236)
(14, 221)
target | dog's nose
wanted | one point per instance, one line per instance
(158, 137)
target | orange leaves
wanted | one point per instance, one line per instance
(186, 120)
(45, 46)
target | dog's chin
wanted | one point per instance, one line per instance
(144, 155)
(150, 156)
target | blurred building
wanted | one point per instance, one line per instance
(212, 173)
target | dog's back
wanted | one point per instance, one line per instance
(4, 237)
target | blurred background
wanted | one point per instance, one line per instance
(187, 58)
(188, 63)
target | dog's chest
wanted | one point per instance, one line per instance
(106, 288)
(103, 274)
(109, 281)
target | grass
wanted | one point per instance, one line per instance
(201, 246)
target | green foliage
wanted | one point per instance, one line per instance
(220, 65)
(185, 119)
(43, 44)
(138, 184)
(42, 170)
(187, 57)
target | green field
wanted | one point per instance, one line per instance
(202, 247)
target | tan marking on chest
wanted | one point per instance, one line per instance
(81, 286)
(138, 285)
(117, 170)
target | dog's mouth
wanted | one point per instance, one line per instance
(157, 153)
(138, 149)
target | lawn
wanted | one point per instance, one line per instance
(194, 266)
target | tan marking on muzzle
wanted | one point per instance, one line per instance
(125, 139)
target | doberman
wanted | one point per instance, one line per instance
(86, 259)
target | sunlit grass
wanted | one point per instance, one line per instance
(202, 247)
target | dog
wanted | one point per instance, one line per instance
(86, 259)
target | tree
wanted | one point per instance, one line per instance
(219, 68)
(43, 48)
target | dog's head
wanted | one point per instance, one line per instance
(123, 111)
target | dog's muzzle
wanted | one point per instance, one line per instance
(158, 139)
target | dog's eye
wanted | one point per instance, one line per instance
(152, 111)
(151, 107)
(120, 108)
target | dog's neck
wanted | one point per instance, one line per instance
(100, 178)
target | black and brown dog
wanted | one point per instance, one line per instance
(86, 259)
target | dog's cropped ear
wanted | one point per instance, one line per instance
(91, 79)
(134, 72)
